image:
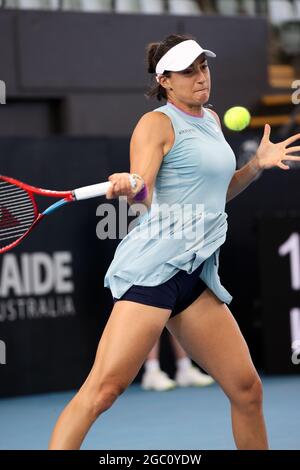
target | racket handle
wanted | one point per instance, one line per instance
(100, 189)
(94, 190)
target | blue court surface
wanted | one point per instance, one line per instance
(184, 418)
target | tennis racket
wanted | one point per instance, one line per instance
(19, 212)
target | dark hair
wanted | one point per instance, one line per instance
(154, 52)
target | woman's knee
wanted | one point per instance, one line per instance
(99, 399)
(248, 392)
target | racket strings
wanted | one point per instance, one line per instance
(17, 213)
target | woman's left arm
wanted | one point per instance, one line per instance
(268, 155)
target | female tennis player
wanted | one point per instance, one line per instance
(178, 157)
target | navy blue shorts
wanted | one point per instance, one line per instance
(175, 294)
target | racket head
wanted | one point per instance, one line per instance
(18, 213)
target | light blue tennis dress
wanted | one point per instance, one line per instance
(186, 223)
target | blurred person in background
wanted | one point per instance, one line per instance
(187, 375)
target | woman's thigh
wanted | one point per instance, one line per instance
(130, 333)
(211, 337)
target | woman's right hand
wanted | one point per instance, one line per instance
(121, 186)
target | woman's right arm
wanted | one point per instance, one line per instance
(149, 143)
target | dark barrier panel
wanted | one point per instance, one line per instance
(94, 64)
(53, 305)
(78, 51)
(274, 193)
(280, 278)
(7, 51)
(52, 302)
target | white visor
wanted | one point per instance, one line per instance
(181, 56)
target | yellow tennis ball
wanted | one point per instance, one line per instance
(237, 118)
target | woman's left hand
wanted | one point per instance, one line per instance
(269, 155)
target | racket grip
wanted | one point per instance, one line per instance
(94, 190)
